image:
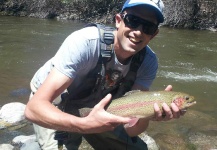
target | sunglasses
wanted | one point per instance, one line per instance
(134, 22)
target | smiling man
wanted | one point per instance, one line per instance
(80, 75)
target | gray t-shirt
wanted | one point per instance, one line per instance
(79, 54)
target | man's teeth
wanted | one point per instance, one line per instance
(133, 40)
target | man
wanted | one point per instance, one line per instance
(67, 71)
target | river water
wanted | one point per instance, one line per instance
(187, 60)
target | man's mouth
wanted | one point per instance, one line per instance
(134, 40)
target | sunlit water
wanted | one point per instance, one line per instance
(187, 60)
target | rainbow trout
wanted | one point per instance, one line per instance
(140, 104)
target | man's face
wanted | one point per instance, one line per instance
(131, 40)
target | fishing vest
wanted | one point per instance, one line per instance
(95, 80)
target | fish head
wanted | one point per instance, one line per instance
(183, 101)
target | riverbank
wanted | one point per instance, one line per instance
(193, 14)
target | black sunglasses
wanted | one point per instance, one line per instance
(133, 22)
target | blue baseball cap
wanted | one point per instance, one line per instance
(157, 5)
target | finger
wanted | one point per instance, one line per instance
(175, 110)
(119, 120)
(169, 88)
(158, 113)
(104, 101)
(113, 118)
(167, 111)
(132, 122)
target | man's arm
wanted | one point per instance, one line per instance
(40, 109)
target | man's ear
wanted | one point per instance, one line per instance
(155, 34)
(117, 20)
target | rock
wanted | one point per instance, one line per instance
(20, 92)
(12, 112)
(30, 145)
(212, 29)
(25, 142)
(170, 141)
(195, 130)
(152, 145)
(23, 139)
(6, 147)
(29, 142)
(202, 141)
(12, 116)
(209, 129)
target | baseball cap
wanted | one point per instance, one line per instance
(157, 5)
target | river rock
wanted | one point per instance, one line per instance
(152, 145)
(12, 116)
(12, 112)
(170, 142)
(23, 142)
(23, 139)
(202, 141)
(29, 142)
(20, 92)
(6, 147)
(30, 145)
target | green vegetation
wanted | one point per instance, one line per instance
(191, 146)
(196, 14)
(94, 9)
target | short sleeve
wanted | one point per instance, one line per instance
(76, 54)
(148, 69)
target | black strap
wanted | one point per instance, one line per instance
(106, 40)
(130, 78)
(106, 48)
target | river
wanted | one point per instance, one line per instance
(187, 60)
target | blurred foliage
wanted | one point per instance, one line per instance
(94, 9)
(196, 14)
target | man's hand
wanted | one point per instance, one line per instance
(100, 121)
(168, 113)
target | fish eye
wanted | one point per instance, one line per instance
(186, 97)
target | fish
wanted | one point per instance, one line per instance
(140, 104)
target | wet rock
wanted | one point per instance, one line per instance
(85, 145)
(12, 112)
(30, 145)
(23, 139)
(26, 142)
(202, 141)
(170, 142)
(23, 142)
(152, 145)
(6, 147)
(11, 115)
(20, 92)
(212, 29)
(174, 133)
(209, 129)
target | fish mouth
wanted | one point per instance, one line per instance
(188, 104)
(191, 103)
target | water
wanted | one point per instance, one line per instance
(187, 60)
(25, 45)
